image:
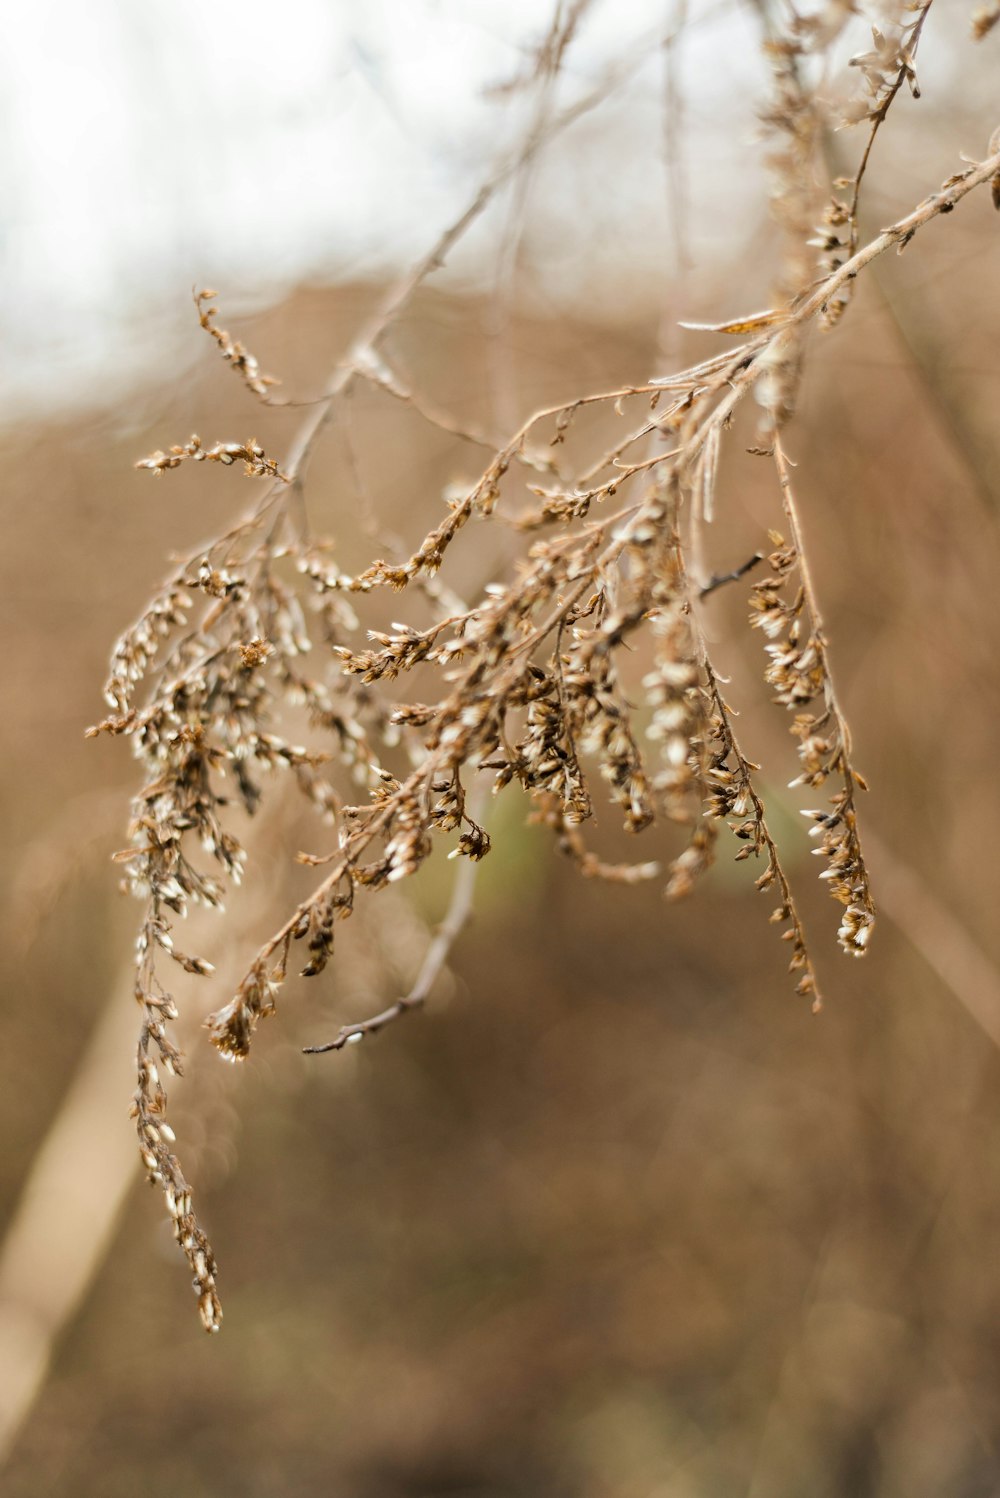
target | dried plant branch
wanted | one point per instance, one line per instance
(235, 355)
(799, 671)
(898, 52)
(733, 794)
(885, 69)
(436, 958)
(256, 463)
(720, 579)
(531, 678)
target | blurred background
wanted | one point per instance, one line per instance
(616, 1217)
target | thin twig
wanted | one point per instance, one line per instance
(721, 578)
(458, 913)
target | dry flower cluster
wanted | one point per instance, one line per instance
(533, 680)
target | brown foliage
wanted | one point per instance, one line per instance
(527, 679)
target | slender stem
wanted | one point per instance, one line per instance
(878, 119)
(456, 916)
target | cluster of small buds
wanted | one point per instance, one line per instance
(232, 351)
(846, 872)
(426, 559)
(447, 811)
(217, 582)
(408, 844)
(178, 801)
(163, 1170)
(156, 1136)
(544, 758)
(385, 788)
(231, 1028)
(793, 130)
(317, 926)
(157, 930)
(473, 843)
(858, 921)
(325, 575)
(599, 719)
(796, 668)
(415, 714)
(673, 694)
(255, 652)
(733, 798)
(836, 241)
(799, 672)
(886, 65)
(557, 507)
(132, 654)
(485, 495)
(256, 463)
(490, 633)
(885, 68)
(821, 749)
(400, 651)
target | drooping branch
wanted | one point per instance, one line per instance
(529, 677)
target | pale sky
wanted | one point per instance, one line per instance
(149, 145)
(245, 144)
